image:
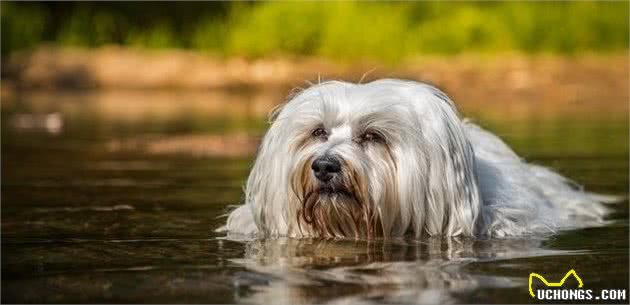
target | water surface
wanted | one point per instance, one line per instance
(114, 197)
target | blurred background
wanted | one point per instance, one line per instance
(347, 31)
(128, 128)
(517, 59)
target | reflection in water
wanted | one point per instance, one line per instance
(233, 145)
(49, 122)
(120, 207)
(397, 271)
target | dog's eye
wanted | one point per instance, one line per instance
(320, 133)
(371, 137)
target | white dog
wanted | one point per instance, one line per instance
(392, 158)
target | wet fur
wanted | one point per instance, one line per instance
(430, 173)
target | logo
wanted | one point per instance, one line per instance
(553, 284)
(554, 291)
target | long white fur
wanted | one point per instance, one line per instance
(448, 176)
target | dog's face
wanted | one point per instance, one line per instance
(344, 171)
(363, 161)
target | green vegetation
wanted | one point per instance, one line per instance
(339, 30)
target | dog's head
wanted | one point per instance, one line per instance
(379, 159)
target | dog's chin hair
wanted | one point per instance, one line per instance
(340, 208)
(337, 214)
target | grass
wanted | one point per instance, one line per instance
(346, 31)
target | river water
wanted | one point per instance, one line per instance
(115, 196)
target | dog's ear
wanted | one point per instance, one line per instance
(452, 192)
(263, 192)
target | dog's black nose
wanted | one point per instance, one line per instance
(325, 168)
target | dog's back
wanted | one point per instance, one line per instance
(519, 197)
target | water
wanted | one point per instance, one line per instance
(114, 197)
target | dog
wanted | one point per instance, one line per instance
(392, 158)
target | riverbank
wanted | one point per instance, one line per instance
(127, 68)
(192, 91)
(548, 80)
